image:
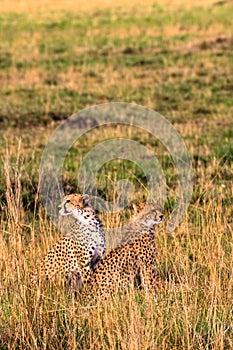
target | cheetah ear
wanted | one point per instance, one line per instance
(136, 209)
(85, 198)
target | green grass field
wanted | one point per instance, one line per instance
(175, 59)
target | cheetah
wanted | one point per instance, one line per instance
(80, 251)
(133, 263)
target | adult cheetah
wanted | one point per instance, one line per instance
(80, 251)
(133, 262)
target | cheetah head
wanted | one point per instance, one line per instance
(148, 214)
(76, 205)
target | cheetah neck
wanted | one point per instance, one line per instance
(88, 233)
(142, 226)
(142, 231)
(138, 231)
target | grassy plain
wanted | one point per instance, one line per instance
(175, 58)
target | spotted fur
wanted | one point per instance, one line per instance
(133, 263)
(80, 251)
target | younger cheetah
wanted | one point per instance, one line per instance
(133, 262)
(81, 250)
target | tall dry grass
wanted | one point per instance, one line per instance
(193, 309)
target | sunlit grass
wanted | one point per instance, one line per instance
(193, 309)
(175, 59)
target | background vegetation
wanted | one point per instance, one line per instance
(173, 57)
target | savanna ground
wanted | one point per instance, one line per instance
(175, 58)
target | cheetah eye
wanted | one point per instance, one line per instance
(68, 201)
